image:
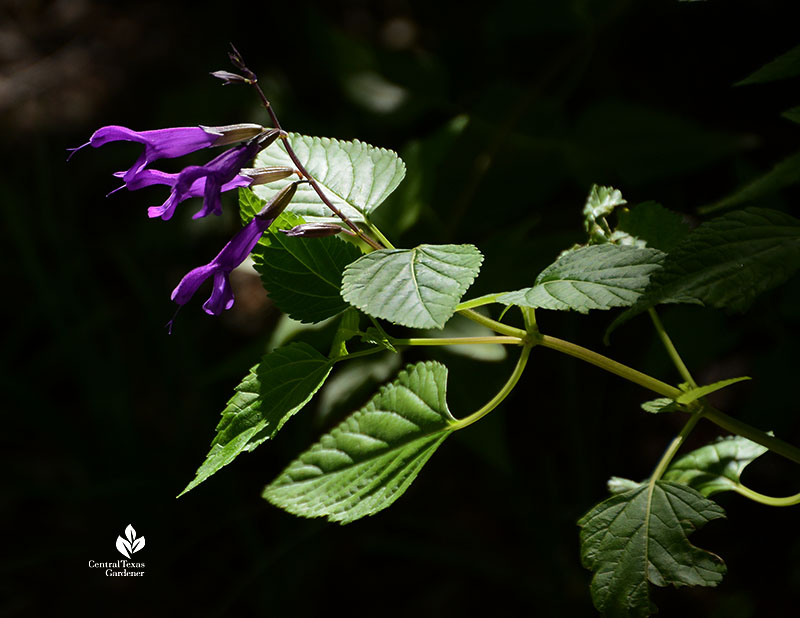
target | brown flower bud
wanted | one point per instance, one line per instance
(315, 230)
(279, 201)
(263, 175)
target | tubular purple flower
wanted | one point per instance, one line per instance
(169, 143)
(210, 180)
(231, 256)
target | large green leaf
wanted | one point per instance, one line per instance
(303, 276)
(355, 176)
(593, 277)
(640, 537)
(726, 262)
(715, 467)
(272, 392)
(784, 66)
(368, 461)
(417, 287)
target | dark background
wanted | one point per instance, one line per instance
(106, 418)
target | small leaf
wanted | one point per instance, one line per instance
(368, 461)
(782, 67)
(640, 537)
(725, 263)
(593, 277)
(715, 467)
(600, 203)
(660, 228)
(417, 287)
(662, 404)
(123, 547)
(130, 533)
(137, 544)
(355, 176)
(702, 391)
(277, 388)
(619, 485)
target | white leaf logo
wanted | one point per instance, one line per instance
(132, 544)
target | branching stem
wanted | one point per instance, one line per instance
(500, 396)
(671, 350)
(492, 339)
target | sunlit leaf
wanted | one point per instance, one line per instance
(368, 461)
(355, 176)
(593, 277)
(273, 391)
(417, 287)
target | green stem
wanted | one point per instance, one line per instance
(673, 447)
(380, 235)
(768, 500)
(352, 355)
(499, 397)
(498, 327)
(456, 340)
(671, 350)
(487, 299)
(734, 426)
(623, 371)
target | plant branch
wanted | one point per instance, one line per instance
(500, 396)
(671, 350)
(673, 447)
(737, 427)
(493, 339)
(498, 327)
(623, 371)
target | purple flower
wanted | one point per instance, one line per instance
(199, 186)
(169, 143)
(209, 180)
(231, 256)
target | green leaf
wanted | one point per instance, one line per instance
(303, 276)
(661, 405)
(725, 263)
(619, 485)
(417, 287)
(715, 467)
(784, 174)
(355, 176)
(782, 67)
(792, 114)
(640, 537)
(702, 391)
(593, 277)
(368, 461)
(272, 392)
(660, 228)
(600, 203)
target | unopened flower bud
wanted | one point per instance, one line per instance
(263, 175)
(230, 78)
(279, 201)
(314, 230)
(232, 133)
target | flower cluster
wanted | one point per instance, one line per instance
(224, 172)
